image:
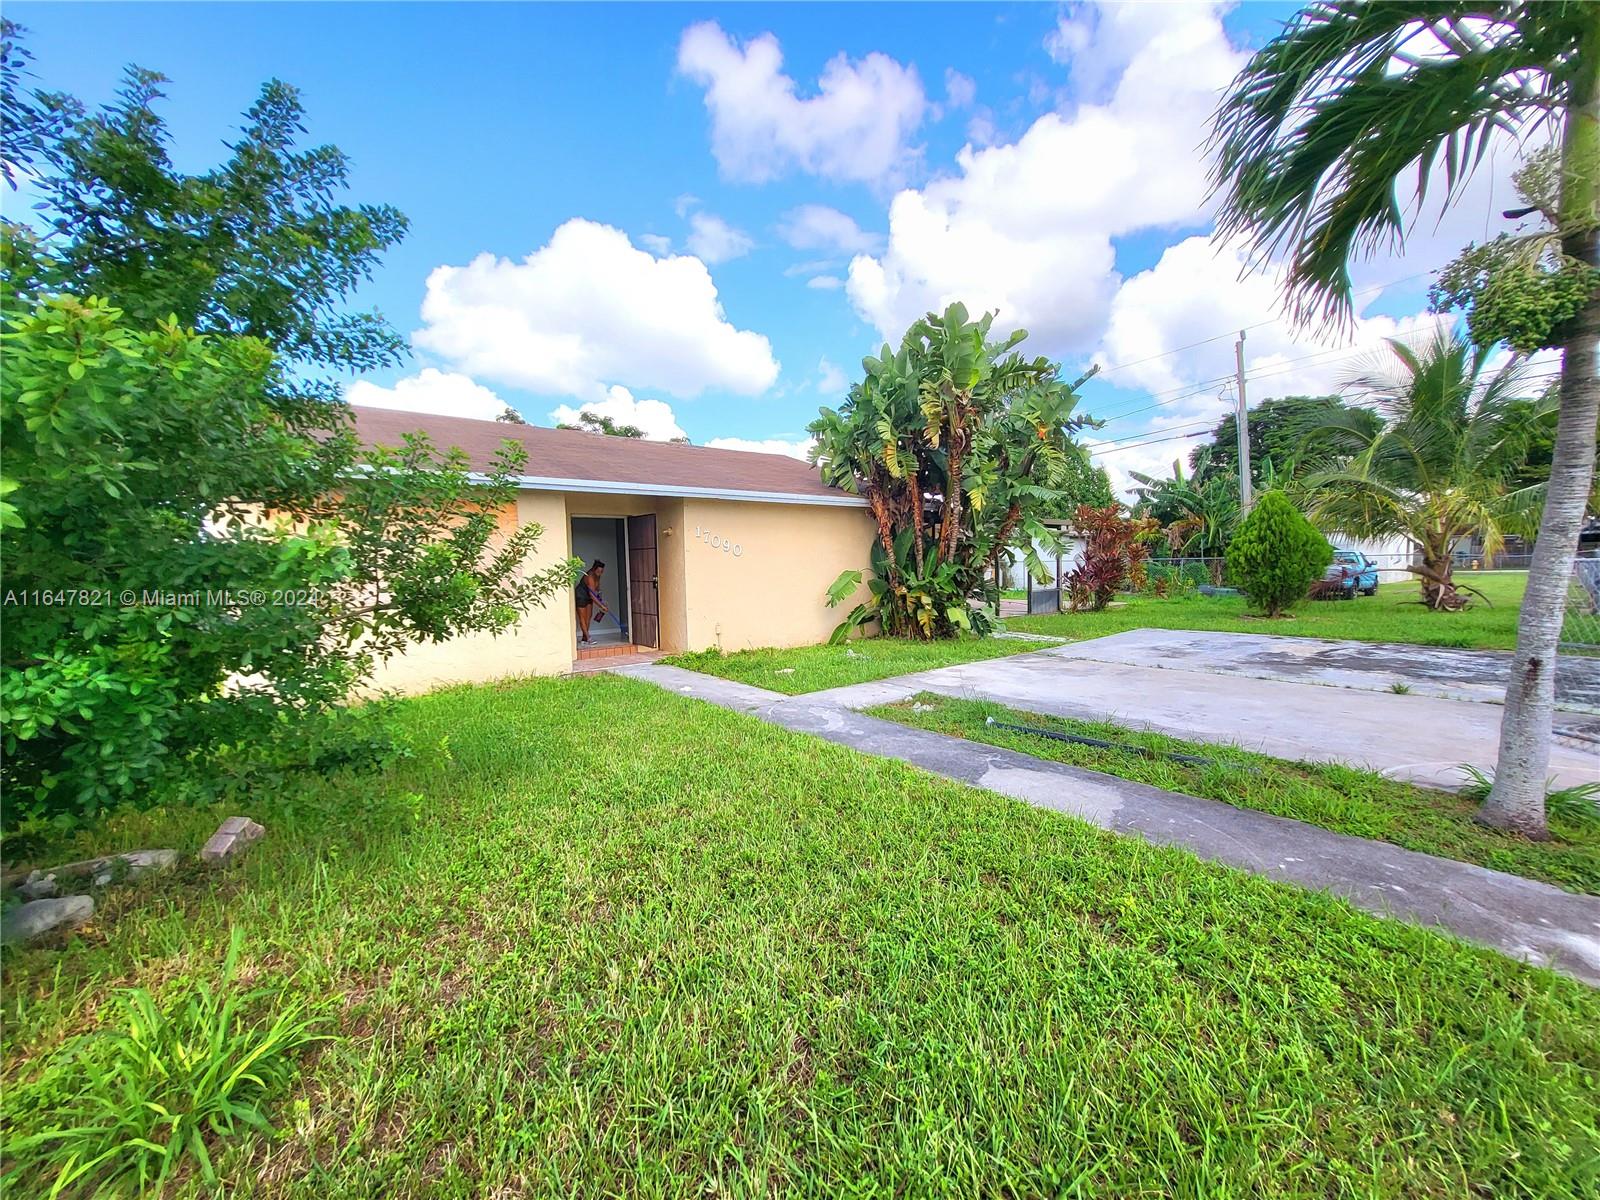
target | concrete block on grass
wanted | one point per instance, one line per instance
(231, 839)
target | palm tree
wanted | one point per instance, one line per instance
(1199, 517)
(1352, 101)
(1444, 465)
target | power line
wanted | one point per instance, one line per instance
(1325, 356)
(1374, 288)
(1144, 440)
(1182, 437)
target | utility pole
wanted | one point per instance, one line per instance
(1243, 423)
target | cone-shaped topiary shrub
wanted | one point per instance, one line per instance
(1276, 554)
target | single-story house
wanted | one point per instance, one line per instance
(703, 547)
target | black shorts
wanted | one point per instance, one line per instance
(585, 597)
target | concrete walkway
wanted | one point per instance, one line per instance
(1527, 920)
(1420, 738)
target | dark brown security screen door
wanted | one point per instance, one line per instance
(644, 604)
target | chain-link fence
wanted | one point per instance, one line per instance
(1582, 628)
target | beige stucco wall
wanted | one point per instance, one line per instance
(772, 591)
(540, 644)
(769, 593)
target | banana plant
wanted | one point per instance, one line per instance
(959, 444)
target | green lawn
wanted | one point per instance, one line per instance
(812, 668)
(596, 939)
(1346, 800)
(1391, 616)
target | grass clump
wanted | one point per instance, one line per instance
(617, 942)
(126, 1109)
(801, 669)
(1578, 805)
(1330, 795)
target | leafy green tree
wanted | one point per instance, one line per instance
(960, 446)
(510, 416)
(1082, 483)
(593, 422)
(1277, 554)
(1521, 289)
(200, 559)
(1284, 438)
(1352, 101)
(1444, 463)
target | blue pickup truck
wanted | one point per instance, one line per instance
(1351, 571)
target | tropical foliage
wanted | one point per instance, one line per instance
(1454, 440)
(1352, 101)
(1115, 547)
(1197, 517)
(1276, 555)
(201, 560)
(960, 446)
(1521, 289)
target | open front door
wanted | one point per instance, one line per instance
(644, 602)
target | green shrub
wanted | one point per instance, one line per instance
(122, 1110)
(1277, 554)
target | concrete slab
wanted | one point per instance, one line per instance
(1365, 666)
(1528, 920)
(726, 693)
(1419, 738)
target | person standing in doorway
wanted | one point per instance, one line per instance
(589, 598)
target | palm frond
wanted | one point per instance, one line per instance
(1315, 136)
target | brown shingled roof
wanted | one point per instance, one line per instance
(568, 454)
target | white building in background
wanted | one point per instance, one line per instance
(1014, 572)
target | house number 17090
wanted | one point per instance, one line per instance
(726, 545)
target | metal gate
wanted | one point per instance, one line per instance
(644, 603)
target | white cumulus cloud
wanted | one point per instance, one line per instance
(655, 417)
(818, 227)
(1198, 288)
(831, 380)
(587, 311)
(430, 391)
(714, 240)
(959, 90)
(856, 127)
(1027, 227)
(825, 283)
(797, 448)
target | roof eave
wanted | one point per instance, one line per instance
(610, 487)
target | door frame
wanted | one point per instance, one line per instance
(622, 567)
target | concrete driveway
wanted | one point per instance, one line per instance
(1293, 698)
(1365, 666)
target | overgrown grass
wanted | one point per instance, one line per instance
(1393, 615)
(1333, 796)
(812, 668)
(132, 1107)
(598, 939)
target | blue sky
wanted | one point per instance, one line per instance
(737, 232)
